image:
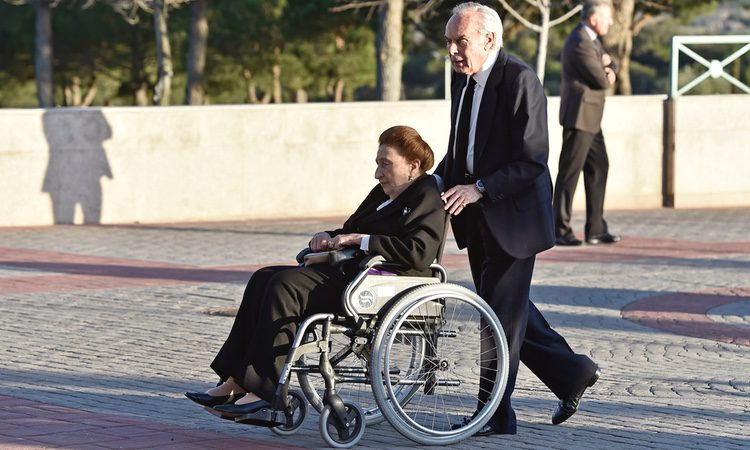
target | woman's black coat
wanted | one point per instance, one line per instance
(406, 232)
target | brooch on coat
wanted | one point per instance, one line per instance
(407, 210)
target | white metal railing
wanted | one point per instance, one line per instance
(714, 68)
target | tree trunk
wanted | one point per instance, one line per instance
(541, 53)
(88, 98)
(389, 49)
(301, 96)
(72, 93)
(138, 83)
(338, 95)
(43, 54)
(163, 88)
(194, 91)
(276, 90)
(140, 94)
(276, 72)
(251, 95)
(252, 90)
(619, 43)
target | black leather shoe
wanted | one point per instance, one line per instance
(233, 410)
(605, 238)
(568, 240)
(568, 406)
(486, 430)
(204, 399)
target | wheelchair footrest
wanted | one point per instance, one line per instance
(264, 417)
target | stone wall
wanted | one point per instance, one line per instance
(166, 164)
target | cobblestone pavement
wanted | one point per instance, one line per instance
(102, 330)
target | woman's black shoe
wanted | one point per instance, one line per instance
(240, 410)
(204, 399)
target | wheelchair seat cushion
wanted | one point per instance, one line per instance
(376, 271)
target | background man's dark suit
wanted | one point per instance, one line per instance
(512, 223)
(581, 108)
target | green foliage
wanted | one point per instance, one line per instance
(314, 48)
(16, 92)
(650, 65)
(682, 10)
(17, 88)
(523, 44)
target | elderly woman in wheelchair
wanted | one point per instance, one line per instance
(289, 311)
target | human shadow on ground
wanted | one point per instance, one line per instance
(77, 162)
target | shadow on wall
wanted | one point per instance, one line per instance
(77, 162)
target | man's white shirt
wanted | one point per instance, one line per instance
(481, 79)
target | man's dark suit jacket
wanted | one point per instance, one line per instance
(583, 83)
(406, 232)
(510, 157)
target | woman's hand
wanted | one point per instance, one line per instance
(320, 242)
(323, 241)
(345, 240)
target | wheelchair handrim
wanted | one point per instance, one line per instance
(432, 435)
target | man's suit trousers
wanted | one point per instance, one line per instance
(504, 283)
(585, 152)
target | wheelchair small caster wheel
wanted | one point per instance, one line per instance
(296, 417)
(338, 435)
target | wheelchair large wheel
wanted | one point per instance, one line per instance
(353, 372)
(461, 378)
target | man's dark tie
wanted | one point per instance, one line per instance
(462, 133)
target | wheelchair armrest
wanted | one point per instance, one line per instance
(376, 261)
(333, 257)
(337, 257)
(371, 261)
(301, 255)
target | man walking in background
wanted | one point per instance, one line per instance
(587, 71)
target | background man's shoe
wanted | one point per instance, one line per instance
(568, 240)
(605, 238)
(569, 405)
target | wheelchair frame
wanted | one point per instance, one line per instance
(380, 312)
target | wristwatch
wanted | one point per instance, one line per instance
(480, 187)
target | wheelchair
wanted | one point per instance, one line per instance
(427, 356)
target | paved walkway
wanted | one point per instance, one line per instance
(103, 328)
